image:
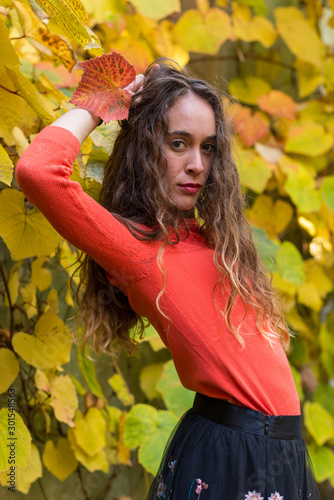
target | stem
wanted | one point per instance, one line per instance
(42, 489)
(105, 490)
(11, 91)
(11, 308)
(82, 483)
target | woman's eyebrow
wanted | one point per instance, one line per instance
(187, 134)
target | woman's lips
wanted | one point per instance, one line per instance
(190, 188)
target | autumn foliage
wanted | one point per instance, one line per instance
(96, 430)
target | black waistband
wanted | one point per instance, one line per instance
(245, 419)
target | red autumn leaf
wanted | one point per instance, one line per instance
(279, 104)
(101, 87)
(250, 127)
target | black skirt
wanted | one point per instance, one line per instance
(220, 451)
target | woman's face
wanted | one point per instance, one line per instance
(189, 148)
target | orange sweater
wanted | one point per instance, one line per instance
(207, 356)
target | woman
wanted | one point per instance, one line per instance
(200, 284)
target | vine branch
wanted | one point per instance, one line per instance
(11, 307)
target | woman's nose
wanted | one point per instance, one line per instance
(195, 163)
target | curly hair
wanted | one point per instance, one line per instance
(134, 190)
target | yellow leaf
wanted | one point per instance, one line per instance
(28, 91)
(316, 287)
(123, 452)
(250, 29)
(309, 77)
(13, 283)
(6, 167)
(25, 234)
(308, 138)
(41, 381)
(300, 185)
(92, 463)
(33, 27)
(14, 111)
(300, 37)
(7, 52)
(90, 431)
(68, 297)
(203, 6)
(60, 459)
(69, 19)
(283, 285)
(157, 10)
(28, 293)
(23, 478)
(122, 391)
(11, 427)
(149, 377)
(255, 173)
(164, 39)
(40, 276)
(9, 368)
(274, 217)
(205, 34)
(64, 399)
(52, 302)
(21, 142)
(49, 347)
(248, 89)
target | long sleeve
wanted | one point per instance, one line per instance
(43, 173)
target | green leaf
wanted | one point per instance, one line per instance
(290, 263)
(21, 445)
(267, 248)
(327, 192)
(87, 368)
(323, 462)
(149, 429)
(9, 368)
(49, 347)
(25, 234)
(319, 422)
(324, 395)
(248, 89)
(327, 349)
(175, 396)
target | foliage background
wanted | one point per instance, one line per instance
(93, 430)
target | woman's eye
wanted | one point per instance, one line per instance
(208, 148)
(177, 145)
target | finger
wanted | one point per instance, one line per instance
(136, 84)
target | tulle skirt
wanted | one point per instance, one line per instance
(221, 451)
